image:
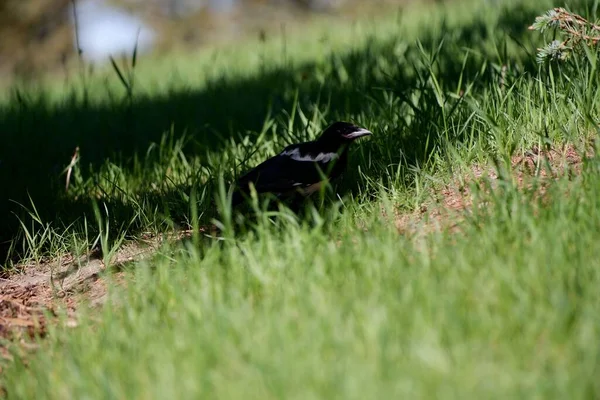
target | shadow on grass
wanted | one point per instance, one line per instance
(386, 86)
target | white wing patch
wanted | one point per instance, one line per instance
(321, 157)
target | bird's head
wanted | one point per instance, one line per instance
(343, 132)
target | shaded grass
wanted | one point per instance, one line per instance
(142, 153)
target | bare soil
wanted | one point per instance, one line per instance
(535, 170)
(35, 296)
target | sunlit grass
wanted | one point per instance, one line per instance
(337, 303)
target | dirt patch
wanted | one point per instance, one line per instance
(31, 299)
(535, 170)
(39, 292)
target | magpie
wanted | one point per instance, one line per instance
(301, 169)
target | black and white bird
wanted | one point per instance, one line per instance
(302, 168)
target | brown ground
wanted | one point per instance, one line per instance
(36, 295)
(28, 300)
(536, 166)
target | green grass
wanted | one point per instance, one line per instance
(218, 112)
(337, 304)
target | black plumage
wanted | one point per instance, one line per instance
(301, 169)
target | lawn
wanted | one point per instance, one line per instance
(419, 276)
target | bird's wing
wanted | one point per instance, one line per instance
(288, 170)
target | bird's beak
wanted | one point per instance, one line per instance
(358, 133)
